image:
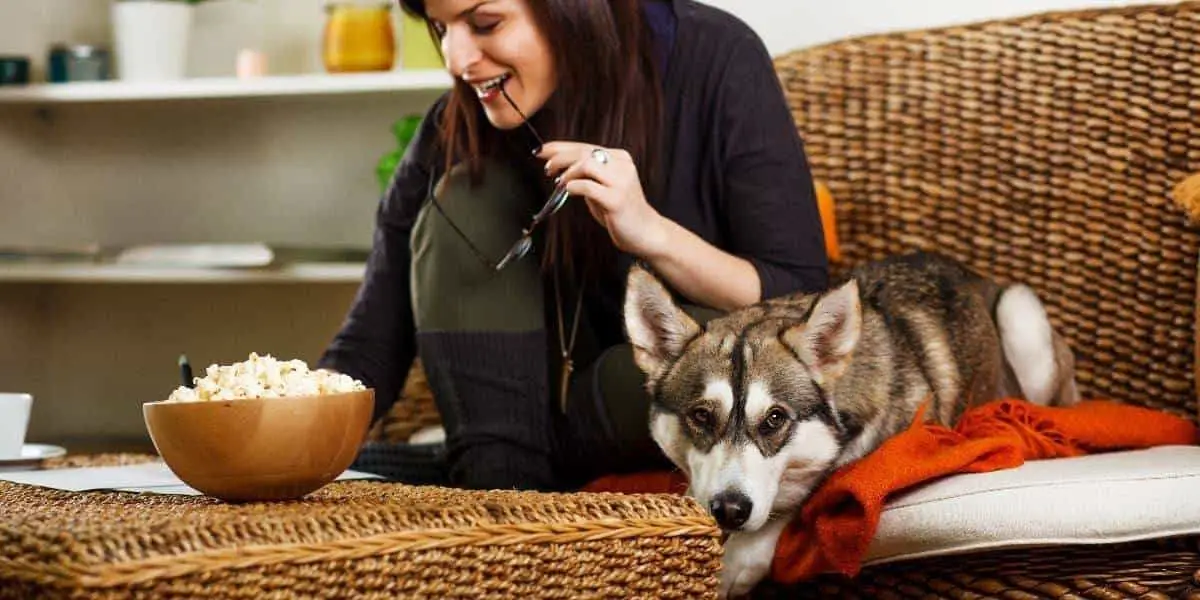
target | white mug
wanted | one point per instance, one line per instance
(14, 420)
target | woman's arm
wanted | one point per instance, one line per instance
(775, 242)
(609, 183)
(700, 271)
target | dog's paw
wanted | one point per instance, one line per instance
(748, 556)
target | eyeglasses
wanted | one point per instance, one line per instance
(524, 244)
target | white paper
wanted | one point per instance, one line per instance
(152, 478)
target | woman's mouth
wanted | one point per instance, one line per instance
(489, 90)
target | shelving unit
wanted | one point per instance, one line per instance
(216, 88)
(86, 273)
(289, 157)
(313, 85)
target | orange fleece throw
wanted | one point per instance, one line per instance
(838, 522)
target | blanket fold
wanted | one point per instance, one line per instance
(836, 525)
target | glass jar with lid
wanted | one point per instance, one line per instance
(359, 36)
(77, 62)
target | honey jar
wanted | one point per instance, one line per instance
(359, 36)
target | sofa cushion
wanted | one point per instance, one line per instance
(1099, 498)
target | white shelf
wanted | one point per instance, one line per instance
(212, 88)
(85, 273)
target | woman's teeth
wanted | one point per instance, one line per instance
(490, 85)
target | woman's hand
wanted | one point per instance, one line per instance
(607, 179)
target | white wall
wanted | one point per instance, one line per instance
(286, 29)
(789, 24)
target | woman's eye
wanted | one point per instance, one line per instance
(484, 25)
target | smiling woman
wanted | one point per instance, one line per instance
(637, 130)
(588, 64)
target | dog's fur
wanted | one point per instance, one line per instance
(758, 406)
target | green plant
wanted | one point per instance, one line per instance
(403, 130)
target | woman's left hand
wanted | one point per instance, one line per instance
(608, 180)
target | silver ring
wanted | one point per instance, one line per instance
(601, 155)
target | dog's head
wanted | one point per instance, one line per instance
(742, 405)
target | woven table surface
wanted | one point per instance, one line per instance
(353, 539)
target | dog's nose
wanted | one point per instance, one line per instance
(730, 509)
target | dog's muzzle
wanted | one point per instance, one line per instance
(731, 509)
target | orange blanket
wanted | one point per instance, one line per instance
(838, 522)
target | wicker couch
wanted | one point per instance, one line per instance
(1061, 150)
(1054, 149)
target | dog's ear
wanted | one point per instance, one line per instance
(656, 326)
(827, 340)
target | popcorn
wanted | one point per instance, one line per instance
(264, 377)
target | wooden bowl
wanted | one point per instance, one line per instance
(260, 449)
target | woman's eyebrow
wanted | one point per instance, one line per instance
(473, 8)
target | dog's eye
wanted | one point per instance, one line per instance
(701, 416)
(775, 420)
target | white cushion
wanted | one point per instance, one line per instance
(1094, 499)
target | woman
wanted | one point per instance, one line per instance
(663, 126)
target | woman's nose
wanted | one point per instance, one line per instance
(460, 50)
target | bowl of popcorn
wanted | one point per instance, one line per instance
(261, 429)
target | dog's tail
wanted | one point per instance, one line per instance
(1041, 361)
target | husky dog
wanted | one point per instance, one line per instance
(758, 406)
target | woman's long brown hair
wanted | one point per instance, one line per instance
(608, 94)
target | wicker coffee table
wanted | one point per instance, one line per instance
(352, 539)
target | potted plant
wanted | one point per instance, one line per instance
(151, 38)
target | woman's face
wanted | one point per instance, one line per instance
(494, 43)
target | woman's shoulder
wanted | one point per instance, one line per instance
(716, 51)
(713, 43)
(713, 27)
